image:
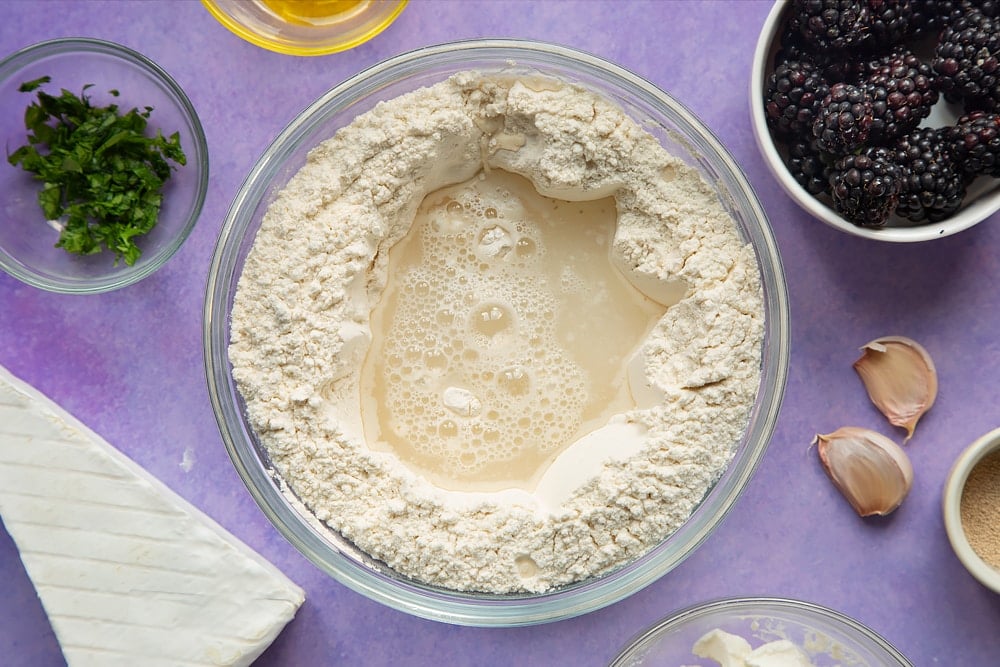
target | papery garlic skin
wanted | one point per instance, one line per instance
(869, 469)
(900, 378)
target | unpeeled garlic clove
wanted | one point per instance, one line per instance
(872, 471)
(900, 379)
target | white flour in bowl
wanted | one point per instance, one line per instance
(302, 329)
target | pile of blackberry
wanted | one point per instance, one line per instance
(848, 96)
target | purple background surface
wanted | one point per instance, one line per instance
(129, 363)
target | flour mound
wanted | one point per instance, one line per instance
(300, 332)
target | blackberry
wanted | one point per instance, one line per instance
(865, 188)
(930, 16)
(990, 8)
(902, 92)
(844, 120)
(975, 143)
(808, 166)
(933, 185)
(832, 25)
(835, 66)
(794, 93)
(892, 21)
(967, 61)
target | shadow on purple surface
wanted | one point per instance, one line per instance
(22, 632)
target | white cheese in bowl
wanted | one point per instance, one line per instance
(730, 650)
(127, 571)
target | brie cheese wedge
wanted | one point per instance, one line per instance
(128, 572)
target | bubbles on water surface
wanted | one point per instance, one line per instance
(480, 382)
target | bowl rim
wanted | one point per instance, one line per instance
(675, 619)
(973, 212)
(970, 457)
(450, 606)
(129, 276)
(333, 44)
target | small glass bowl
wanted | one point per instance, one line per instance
(981, 201)
(679, 132)
(312, 28)
(828, 637)
(27, 240)
(954, 487)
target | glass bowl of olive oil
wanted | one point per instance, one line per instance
(306, 27)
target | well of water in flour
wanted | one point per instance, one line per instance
(502, 336)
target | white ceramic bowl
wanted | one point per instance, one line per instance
(952, 502)
(680, 133)
(982, 200)
(830, 638)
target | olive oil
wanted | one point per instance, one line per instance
(316, 12)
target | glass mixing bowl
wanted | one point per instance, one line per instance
(829, 638)
(679, 132)
(27, 240)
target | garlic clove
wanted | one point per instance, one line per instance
(900, 378)
(869, 469)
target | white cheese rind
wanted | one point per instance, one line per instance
(128, 572)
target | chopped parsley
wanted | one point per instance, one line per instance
(102, 176)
